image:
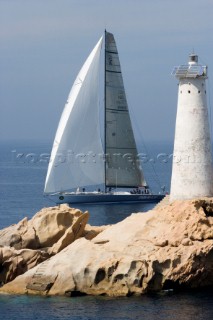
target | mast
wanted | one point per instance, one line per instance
(105, 111)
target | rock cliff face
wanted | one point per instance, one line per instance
(28, 243)
(15, 262)
(166, 248)
(45, 229)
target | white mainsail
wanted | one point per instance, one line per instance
(122, 168)
(76, 154)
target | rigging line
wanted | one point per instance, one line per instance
(156, 178)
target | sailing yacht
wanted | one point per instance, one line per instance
(94, 160)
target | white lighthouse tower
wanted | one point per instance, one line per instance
(192, 173)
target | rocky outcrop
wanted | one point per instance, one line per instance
(72, 233)
(46, 228)
(167, 248)
(15, 262)
(91, 232)
(28, 243)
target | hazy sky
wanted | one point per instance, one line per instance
(43, 44)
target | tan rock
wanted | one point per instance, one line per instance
(91, 232)
(57, 226)
(186, 242)
(72, 233)
(11, 236)
(165, 248)
(44, 229)
(15, 262)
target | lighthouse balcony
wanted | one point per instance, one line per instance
(190, 71)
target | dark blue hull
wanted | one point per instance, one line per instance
(104, 198)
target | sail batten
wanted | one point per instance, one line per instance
(113, 71)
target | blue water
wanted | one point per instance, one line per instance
(22, 175)
(21, 191)
(193, 306)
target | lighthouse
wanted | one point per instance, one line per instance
(192, 173)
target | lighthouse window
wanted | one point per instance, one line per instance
(198, 91)
(189, 91)
(205, 91)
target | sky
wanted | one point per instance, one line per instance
(43, 44)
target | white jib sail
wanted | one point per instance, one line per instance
(77, 153)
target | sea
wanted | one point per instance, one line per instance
(23, 167)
